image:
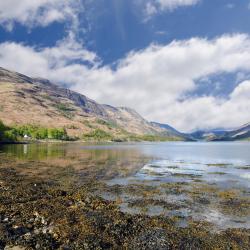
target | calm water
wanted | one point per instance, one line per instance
(209, 175)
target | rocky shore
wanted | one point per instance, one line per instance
(43, 214)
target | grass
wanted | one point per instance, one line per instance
(217, 173)
(222, 165)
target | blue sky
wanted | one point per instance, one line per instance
(115, 27)
(182, 62)
(119, 28)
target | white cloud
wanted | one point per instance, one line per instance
(155, 81)
(38, 12)
(46, 62)
(150, 9)
(154, 6)
(172, 4)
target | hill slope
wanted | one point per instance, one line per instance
(26, 100)
(170, 131)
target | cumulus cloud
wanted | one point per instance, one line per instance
(154, 6)
(47, 62)
(38, 12)
(156, 81)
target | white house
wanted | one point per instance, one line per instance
(26, 137)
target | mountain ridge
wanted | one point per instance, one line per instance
(241, 133)
(38, 101)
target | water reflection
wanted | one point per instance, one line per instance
(98, 163)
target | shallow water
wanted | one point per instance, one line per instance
(202, 181)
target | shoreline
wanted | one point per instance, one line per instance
(103, 141)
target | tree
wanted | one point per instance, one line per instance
(58, 134)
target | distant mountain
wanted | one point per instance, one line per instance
(241, 133)
(26, 100)
(207, 135)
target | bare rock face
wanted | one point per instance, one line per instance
(26, 100)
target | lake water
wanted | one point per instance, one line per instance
(200, 181)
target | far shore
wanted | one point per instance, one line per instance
(26, 142)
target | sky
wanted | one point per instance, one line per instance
(181, 62)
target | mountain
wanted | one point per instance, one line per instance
(170, 131)
(166, 127)
(207, 135)
(241, 133)
(37, 101)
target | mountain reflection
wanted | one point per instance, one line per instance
(97, 163)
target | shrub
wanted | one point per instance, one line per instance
(63, 107)
(9, 136)
(58, 134)
(6, 134)
(87, 123)
(106, 123)
(98, 135)
(65, 110)
(2, 126)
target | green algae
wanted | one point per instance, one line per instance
(222, 165)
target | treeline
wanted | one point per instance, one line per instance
(17, 133)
